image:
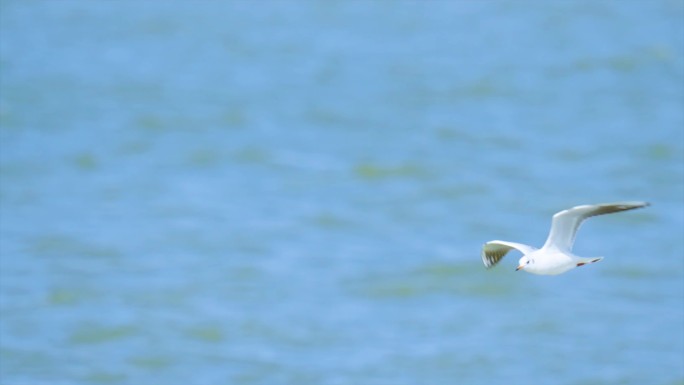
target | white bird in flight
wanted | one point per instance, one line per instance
(556, 256)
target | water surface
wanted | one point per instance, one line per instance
(297, 192)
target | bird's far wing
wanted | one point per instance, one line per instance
(565, 223)
(493, 251)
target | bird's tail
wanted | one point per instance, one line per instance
(585, 261)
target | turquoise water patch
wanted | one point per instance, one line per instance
(104, 377)
(208, 333)
(661, 152)
(204, 158)
(371, 171)
(435, 280)
(153, 363)
(251, 155)
(67, 297)
(55, 245)
(98, 334)
(85, 161)
(330, 221)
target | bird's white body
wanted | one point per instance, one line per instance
(556, 256)
(552, 262)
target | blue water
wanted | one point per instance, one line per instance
(297, 192)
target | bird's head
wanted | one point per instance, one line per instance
(523, 263)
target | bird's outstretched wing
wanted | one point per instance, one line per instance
(493, 251)
(565, 223)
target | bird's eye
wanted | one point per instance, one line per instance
(528, 262)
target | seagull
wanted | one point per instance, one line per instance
(556, 256)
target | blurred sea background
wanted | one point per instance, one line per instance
(296, 192)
